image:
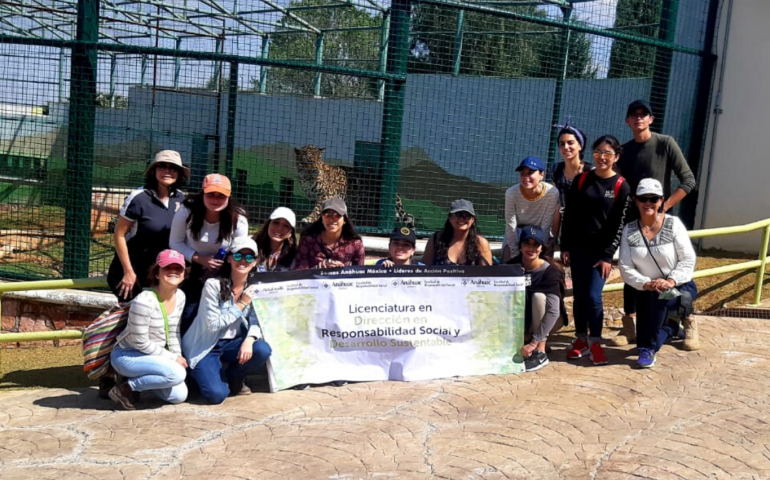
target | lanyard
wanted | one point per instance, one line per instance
(165, 317)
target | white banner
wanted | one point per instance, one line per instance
(408, 323)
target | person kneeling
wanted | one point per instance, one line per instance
(544, 293)
(226, 329)
(147, 352)
(401, 248)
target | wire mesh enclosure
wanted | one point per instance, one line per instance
(412, 102)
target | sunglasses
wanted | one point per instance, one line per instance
(241, 256)
(331, 214)
(463, 215)
(649, 199)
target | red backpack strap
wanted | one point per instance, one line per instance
(583, 179)
(618, 184)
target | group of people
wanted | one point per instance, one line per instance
(186, 262)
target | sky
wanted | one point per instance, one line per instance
(30, 75)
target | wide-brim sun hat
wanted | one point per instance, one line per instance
(171, 157)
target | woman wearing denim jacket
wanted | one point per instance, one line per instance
(226, 330)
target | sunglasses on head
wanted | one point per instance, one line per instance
(649, 198)
(241, 256)
(464, 215)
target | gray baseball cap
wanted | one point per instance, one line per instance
(335, 203)
(462, 205)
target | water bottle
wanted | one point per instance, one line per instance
(221, 254)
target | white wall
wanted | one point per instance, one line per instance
(738, 191)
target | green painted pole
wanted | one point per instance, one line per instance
(458, 51)
(661, 72)
(560, 77)
(263, 69)
(41, 336)
(80, 142)
(95, 282)
(384, 38)
(232, 98)
(393, 110)
(761, 270)
(319, 58)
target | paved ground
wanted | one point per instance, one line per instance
(696, 415)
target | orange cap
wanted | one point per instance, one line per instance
(216, 183)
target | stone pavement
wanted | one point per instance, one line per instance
(695, 415)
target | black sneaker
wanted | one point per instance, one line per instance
(536, 361)
(339, 383)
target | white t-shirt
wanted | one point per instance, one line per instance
(181, 238)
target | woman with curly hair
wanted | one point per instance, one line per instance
(459, 242)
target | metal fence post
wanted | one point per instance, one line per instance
(662, 68)
(384, 38)
(319, 58)
(560, 77)
(761, 268)
(458, 51)
(393, 110)
(80, 142)
(232, 98)
(263, 69)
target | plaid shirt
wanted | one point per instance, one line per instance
(312, 251)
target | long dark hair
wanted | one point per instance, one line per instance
(570, 130)
(228, 218)
(288, 248)
(348, 229)
(151, 181)
(472, 253)
(226, 281)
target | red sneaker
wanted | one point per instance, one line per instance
(579, 349)
(597, 354)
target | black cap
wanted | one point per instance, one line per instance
(636, 105)
(404, 233)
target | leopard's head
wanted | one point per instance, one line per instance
(309, 157)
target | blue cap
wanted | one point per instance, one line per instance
(535, 233)
(532, 163)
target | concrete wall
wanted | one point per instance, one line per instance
(736, 192)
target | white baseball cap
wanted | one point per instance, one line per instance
(286, 214)
(241, 243)
(649, 186)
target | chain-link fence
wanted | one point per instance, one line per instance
(417, 102)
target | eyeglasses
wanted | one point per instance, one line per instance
(463, 215)
(331, 214)
(604, 154)
(241, 256)
(649, 199)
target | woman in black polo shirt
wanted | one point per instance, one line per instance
(144, 224)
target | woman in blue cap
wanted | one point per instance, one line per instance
(459, 242)
(531, 202)
(544, 291)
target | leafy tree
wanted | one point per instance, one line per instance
(629, 59)
(355, 49)
(509, 48)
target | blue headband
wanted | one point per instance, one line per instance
(568, 126)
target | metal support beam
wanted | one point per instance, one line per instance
(458, 51)
(113, 69)
(80, 142)
(384, 36)
(393, 110)
(232, 98)
(62, 62)
(560, 77)
(319, 59)
(661, 72)
(143, 78)
(177, 64)
(263, 69)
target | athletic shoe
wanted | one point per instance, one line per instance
(597, 354)
(579, 349)
(536, 361)
(123, 395)
(646, 358)
(339, 383)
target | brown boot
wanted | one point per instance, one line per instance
(123, 395)
(691, 339)
(627, 334)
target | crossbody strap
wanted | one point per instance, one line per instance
(648, 248)
(165, 316)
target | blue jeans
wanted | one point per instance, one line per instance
(214, 380)
(162, 376)
(587, 284)
(652, 330)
